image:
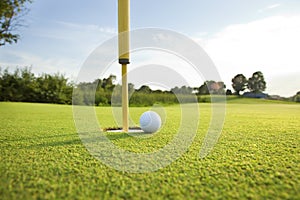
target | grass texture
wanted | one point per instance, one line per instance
(256, 157)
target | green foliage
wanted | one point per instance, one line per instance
(23, 85)
(239, 83)
(182, 90)
(211, 87)
(10, 13)
(257, 83)
(228, 92)
(297, 97)
(203, 89)
(144, 99)
(42, 156)
(107, 94)
(145, 89)
(233, 99)
(204, 98)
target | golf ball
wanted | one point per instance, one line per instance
(150, 122)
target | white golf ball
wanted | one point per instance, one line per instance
(150, 122)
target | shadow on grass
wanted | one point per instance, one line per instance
(57, 143)
(60, 140)
(44, 141)
(38, 137)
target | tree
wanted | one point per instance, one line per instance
(145, 89)
(239, 83)
(203, 90)
(220, 88)
(23, 85)
(297, 97)
(257, 82)
(108, 83)
(10, 13)
(182, 90)
(228, 92)
(212, 87)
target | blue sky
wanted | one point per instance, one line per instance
(241, 36)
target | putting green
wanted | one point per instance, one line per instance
(257, 156)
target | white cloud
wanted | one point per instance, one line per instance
(273, 6)
(270, 7)
(270, 45)
(40, 64)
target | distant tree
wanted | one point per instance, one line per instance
(22, 85)
(239, 83)
(27, 85)
(186, 90)
(297, 97)
(182, 90)
(160, 92)
(9, 84)
(211, 87)
(131, 89)
(220, 88)
(257, 82)
(144, 89)
(114, 98)
(175, 90)
(10, 13)
(53, 89)
(203, 89)
(108, 83)
(228, 92)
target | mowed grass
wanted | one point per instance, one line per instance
(257, 156)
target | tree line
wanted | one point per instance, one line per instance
(24, 86)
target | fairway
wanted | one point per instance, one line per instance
(256, 157)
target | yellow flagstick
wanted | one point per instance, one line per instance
(124, 97)
(123, 26)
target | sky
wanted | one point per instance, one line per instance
(240, 36)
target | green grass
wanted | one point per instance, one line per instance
(257, 156)
(244, 100)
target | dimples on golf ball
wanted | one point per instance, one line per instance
(150, 122)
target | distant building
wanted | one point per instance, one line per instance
(255, 95)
